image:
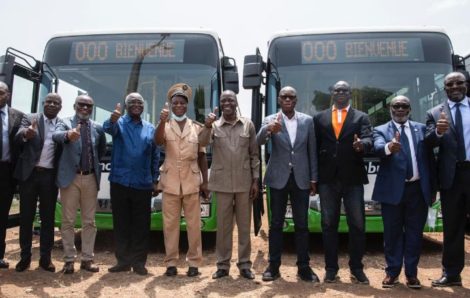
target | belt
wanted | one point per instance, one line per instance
(463, 164)
(42, 169)
(85, 172)
(411, 182)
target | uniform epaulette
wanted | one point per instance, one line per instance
(198, 123)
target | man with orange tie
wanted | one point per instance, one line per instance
(344, 135)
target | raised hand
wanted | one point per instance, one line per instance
(442, 124)
(394, 146)
(74, 133)
(116, 113)
(211, 118)
(276, 125)
(165, 113)
(357, 144)
(32, 130)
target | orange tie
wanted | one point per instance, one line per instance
(338, 126)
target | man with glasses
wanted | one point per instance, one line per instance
(78, 177)
(448, 128)
(344, 135)
(404, 188)
(291, 173)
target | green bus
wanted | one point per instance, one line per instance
(379, 64)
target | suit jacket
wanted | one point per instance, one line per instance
(447, 156)
(390, 181)
(14, 123)
(337, 160)
(301, 157)
(30, 151)
(69, 161)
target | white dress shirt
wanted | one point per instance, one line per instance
(47, 154)
(291, 126)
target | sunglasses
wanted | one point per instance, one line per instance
(402, 106)
(82, 105)
(290, 97)
(456, 83)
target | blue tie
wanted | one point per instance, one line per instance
(461, 155)
(406, 148)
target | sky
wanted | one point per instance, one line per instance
(242, 25)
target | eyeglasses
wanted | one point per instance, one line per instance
(290, 97)
(82, 105)
(403, 106)
(343, 90)
(456, 83)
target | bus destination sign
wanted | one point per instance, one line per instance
(126, 51)
(317, 51)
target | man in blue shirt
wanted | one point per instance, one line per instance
(133, 177)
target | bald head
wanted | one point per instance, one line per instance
(4, 94)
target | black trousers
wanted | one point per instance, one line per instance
(40, 185)
(7, 187)
(455, 207)
(131, 221)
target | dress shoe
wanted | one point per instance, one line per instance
(89, 266)
(307, 274)
(220, 273)
(389, 281)
(271, 274)
(68, 268)
(330, 276)
(447, 281)
(22, 265)
(359, 277)
(4, 264)
(413, 283)
(47, 265)
(140, 270)
(247, 273)
(171, 271)
(119, 268)
(192, 272)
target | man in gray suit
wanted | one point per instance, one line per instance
(36, 172)
(291, 173)
(78, 178)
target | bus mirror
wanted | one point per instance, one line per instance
(230, 74)
(458, 62)
(252, 71)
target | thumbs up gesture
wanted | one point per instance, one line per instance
(165, 113)
(276, 125)
(74, 133)
(211, 118)
(442, 124)
(116, 113)
(394, 146)
(31, 131)
(357, 144)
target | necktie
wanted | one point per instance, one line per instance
(1, 135)
(461, 155)
(406, 148)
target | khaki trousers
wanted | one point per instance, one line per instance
(81, 193)
(171, 209)
(228, 204)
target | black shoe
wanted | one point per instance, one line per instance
(4, 264)
(271, 274)
(192, 272)
(389, 281)
(247, 273)
(330, 277)
(88, 266)
(359, 277)
(68, 268)
(47, 265)
(220, 273)
(413, 283)
(307, 274)
(119, 268)
(23, 264)
(171, 271)
(447, 281)
(140, 270)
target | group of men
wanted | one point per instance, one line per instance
(309, 155)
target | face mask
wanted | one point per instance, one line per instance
(178, 118)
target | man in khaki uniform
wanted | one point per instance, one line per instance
(234, 179)
(182, 176)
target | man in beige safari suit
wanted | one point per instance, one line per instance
(234, 179)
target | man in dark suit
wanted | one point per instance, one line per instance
(343, 135)
(10, 120)
(78, 177)
(403, 186)
(291, 173)
(36, 173)
(448, 128)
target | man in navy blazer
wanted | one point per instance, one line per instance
(291, 173)
(78, 177)
(403, 187)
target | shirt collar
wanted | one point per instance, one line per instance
(130, 120)
(223, 121)
(53, 120)
(334, 108)
(4, 109)
(287, 118)
(464, 102)
(398, 125)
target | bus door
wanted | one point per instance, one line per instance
(29, 81)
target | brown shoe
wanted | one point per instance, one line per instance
(88, 266)
(413, 283)
(68, 268)
(389, 282)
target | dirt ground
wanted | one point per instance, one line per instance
(38, 283)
